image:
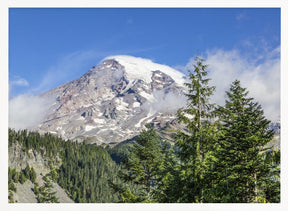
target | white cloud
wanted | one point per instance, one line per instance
(26, 111)
(260, 76)
(19, 82)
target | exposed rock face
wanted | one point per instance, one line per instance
(160, 80)
(24, 193)
(19, 159)
(114, 100)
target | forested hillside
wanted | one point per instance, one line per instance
(84, 171)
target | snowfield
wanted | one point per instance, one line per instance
(139, 67)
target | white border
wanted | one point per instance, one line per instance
(145, 3)
(284, 104)
(5, 4)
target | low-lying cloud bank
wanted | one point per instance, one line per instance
(26, 111)
(260, 77)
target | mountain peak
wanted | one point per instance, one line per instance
(114, 100)
(140, 68)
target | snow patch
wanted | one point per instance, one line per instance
(121, 105)
(136, 104)
(149, 97)
(99, 121)
(140, 68)
(89, 127)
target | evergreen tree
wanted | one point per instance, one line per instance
(33, 175)
(44, 193)
(27, 172)
(22, 177)
(195, 143)
(239, 165)
(142, 167)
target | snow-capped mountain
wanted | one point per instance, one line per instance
(114, 100)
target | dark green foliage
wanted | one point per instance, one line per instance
(200, 131)
(44, 193)
(171, 183)
(240, 169)
(22, 177)
(85, 172)
(36, 189)
(11, 185)
(32, 175)
(11, 197)
(195, 144)
(48, 145)
(120, 151)
(142, 168)
(13, 175)
(27, 171)
(269, 178)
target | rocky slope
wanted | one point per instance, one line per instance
(114, 100)
(19, 159)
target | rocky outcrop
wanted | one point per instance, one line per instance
(19, 159)
(160, 80)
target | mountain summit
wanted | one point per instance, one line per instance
(114, 100)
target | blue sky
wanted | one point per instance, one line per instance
(48, 47)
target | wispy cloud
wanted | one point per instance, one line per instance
(260, 76)
(19, 82)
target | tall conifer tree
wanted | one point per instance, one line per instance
(194, 143)
(244, 134)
